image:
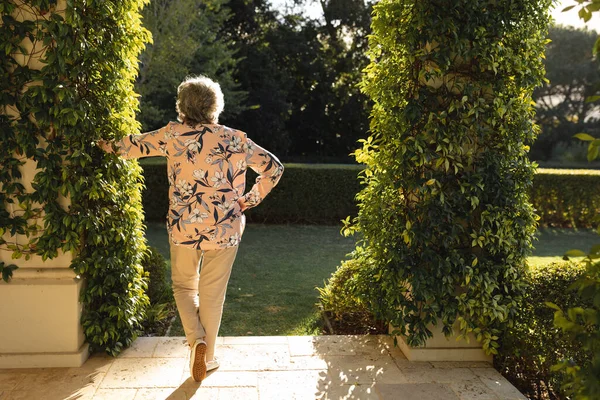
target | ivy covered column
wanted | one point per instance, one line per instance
(444, 215)
(71, 234)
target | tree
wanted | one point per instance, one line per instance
(266, 81)
(334, 98)
(185, 42)
(444, 215)
(573, 75)
(302, 77)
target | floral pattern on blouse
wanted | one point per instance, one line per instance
(206, 167)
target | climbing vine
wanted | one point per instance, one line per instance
(52, 112)
(444, 215)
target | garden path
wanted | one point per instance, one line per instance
(263, 367)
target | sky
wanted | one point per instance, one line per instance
(563, 18)
(571, 18)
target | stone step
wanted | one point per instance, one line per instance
(276, 367)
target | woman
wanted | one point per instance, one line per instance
(207, 165)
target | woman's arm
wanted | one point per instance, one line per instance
(148, 144)
(269, 170)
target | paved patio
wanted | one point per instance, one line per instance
(273, 367)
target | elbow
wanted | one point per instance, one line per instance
(274, 174)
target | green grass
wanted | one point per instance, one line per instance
(272, 290)
(272, 287)
(552, 244)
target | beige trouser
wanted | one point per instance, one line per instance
(200, 295)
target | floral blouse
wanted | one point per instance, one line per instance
(206, 167)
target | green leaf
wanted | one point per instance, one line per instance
(7, 271)
(596, 47)
(575, 253)
(593, 7)
(567, 8)
(593, 151)
(585, 14)
(591, 99)
(595, 250)
(584, 136)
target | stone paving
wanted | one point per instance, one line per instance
(266, 367)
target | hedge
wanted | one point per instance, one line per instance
(528, 349)
(324, 194)
(534, 344)
(308, 194)
(566, 197)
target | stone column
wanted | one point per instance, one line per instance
(40, 308)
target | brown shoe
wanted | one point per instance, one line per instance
(198, 360)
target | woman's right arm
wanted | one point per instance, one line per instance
(148, 144)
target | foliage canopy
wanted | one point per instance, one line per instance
(302, 77)
(185, 41)
(562, 103)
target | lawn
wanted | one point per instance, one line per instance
(551, 244)
(272, 287)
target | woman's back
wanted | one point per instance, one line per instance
(207, 176)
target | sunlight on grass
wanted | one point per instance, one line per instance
(272, 287)
(272, 290)
(308, 326)
(552, 244)
(534, 262)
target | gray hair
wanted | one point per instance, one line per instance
(199, 101)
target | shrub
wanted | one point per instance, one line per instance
(581, 324)
(157, 319)
(159, 313)
(528, 349)
(342, 301)
(532, 345)
(159, 286)
(566, 198)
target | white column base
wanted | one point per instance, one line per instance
(41, 316)
(45, 360)
(440, 348)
